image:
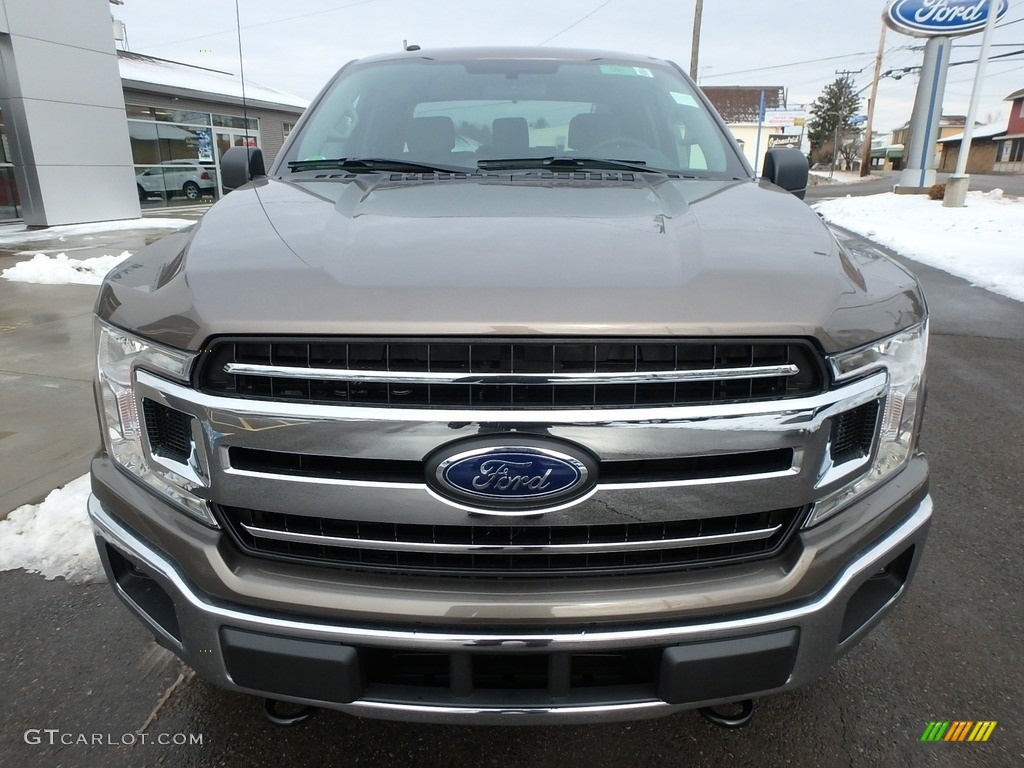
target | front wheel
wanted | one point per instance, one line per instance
(143, 196)
(191, 190)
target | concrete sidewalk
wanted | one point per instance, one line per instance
(48, 428)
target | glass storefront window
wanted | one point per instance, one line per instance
(181, 116)
(174, 162)
(10, 204)
(164, 115)
(230, 121)
(156, 142)
(174, 152)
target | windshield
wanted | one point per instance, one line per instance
(455, 114)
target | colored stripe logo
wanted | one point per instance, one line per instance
(958, 730)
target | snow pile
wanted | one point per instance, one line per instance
(53, 538)
(22, 234)
(60, 270)
(980, 242)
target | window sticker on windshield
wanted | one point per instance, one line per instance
(685, 99)
(618, 69)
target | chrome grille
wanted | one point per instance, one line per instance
(511, 373)
(510, 550)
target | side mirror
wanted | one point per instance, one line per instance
(787, 168)
(240, 165)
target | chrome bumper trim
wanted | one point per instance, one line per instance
(111, 530)
(818, 622)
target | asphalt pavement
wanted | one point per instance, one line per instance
(81, 677)
(46, 362)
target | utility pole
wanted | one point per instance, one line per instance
(695, 44)
(865, 158)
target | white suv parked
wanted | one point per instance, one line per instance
(190, 178)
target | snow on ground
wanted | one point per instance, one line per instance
(53, 538)
(980, 242)
(60, 270)
(22, 234)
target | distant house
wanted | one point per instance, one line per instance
(1010, 153)
(886, 156)
(982, 158)
(949, 125)
(738, 105)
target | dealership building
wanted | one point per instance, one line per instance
(91, 133)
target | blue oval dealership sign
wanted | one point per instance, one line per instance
(930, 18)
(512, 479)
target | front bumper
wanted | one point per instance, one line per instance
(664, 668)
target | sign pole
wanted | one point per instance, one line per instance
(924, 122)
(956, 188)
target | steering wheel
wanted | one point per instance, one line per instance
(617, 142)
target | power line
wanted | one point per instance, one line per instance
(784, 66)
(1008, 55)
(578, 21)
(254, 26)
(1002, 72)
(908, 70)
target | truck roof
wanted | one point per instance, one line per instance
(511, 52)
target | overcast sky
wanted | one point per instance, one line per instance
(797, 44)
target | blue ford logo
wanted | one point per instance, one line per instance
(925, 18)
(511, 478)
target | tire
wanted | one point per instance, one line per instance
(191, 190)
(143, 195)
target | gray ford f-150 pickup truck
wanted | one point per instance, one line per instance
(510, 394)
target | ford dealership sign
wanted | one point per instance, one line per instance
(930, 18)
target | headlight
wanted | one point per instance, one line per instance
(118, 354)
(903, 357)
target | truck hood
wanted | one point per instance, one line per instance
(509, 254)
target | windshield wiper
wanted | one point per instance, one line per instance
(567, 163)
(370, 165)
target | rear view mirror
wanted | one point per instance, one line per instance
(240, 165)
(787, 168)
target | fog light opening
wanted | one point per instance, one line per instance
(875, 594)
(144, 593)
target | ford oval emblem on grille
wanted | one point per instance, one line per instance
(511, 477)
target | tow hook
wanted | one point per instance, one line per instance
(272, 711)
(738, 720)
